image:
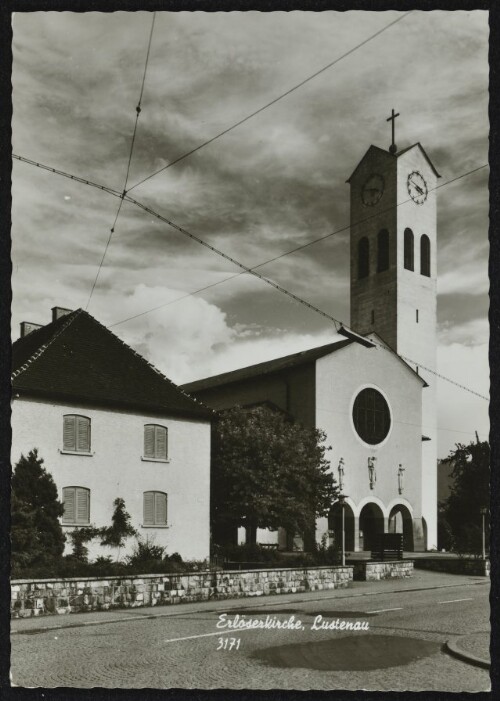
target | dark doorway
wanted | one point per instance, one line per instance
(371, 522)
(400, 521)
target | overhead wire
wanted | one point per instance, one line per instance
(397, 421)
(337, 323)
(274, 101)
(293, 250)
(131, 150)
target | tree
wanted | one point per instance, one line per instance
(113, 535)
(120, 528)
(469, 494)
(268, 472)
(36, 534)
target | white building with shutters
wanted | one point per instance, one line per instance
(107, 424)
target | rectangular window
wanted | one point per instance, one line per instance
(76, 502)
(155, 509)
(155, 442)
(76, 433)
(416, 315)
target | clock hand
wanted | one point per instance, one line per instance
(419, 189)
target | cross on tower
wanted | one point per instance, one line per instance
(392, 118)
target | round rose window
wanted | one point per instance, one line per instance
(371, 416)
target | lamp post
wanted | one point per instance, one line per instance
(483, 512)
(342, 506)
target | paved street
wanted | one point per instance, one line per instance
(409, 622)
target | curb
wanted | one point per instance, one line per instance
(452, 647)
(251, 604)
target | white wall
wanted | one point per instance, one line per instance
(115, 469)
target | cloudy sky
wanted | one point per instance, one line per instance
(273, 183)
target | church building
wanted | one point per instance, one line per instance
(373, 393)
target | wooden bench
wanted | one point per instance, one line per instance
(388, 546)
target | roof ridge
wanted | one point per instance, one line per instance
(147, 362)
(72, 316)
(297, 356)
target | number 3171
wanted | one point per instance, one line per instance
(229, 644)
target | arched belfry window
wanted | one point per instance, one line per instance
(382, 250)
(363, 258)
(408, 250)
(425, 256)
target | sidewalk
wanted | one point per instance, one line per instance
(473, 648)
(422, 579)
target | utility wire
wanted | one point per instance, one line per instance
(396, 421)
(293, 250)
(274, 101)
(337, 323)
(137, 113)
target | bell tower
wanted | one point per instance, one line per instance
(393, 276)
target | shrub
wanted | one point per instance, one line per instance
(80, 536)
(145, 552)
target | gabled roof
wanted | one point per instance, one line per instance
(396, 155)
(401, 359)
(77, 359)
(287, 362)
(371, 148)
(277, 365)
(400, 153)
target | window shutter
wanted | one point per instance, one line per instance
(83, 433)
(82, 505)
(69, 505)
(69, 433)
(149, 509)
(161, 442)
(160, 509)
(149, 441)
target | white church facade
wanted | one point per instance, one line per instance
(375, 399)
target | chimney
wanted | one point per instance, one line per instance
(58, 312)
(27, 327)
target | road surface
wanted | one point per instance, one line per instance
(183, 647)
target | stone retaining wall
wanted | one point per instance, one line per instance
(34, 597)
(367, 571)
(455, 565)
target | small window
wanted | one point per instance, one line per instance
(155, 442)
(382, 251)
(76, 433)
(425, 256)
(416, 315)
(373, 316)
(363, 258)
(155, 509)
(76, 502)
(408, 250)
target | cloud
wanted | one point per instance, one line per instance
(470, 279)
(459, 412)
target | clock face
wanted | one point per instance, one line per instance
(373, 189)
(417, 187)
